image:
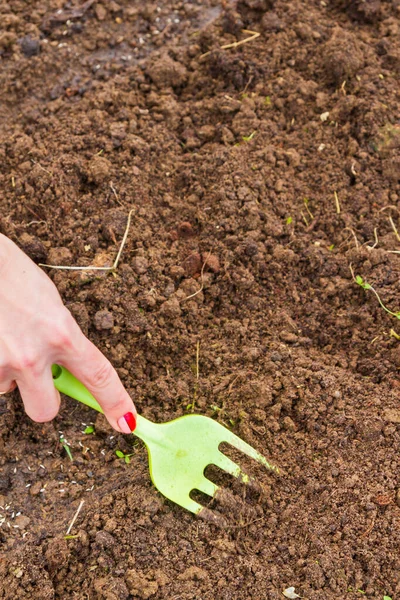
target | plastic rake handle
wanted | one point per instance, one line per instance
(67, 384)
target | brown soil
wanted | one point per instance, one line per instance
(231, 159)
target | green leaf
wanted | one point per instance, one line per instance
(127, 459)
(89, 429)
(289, 220)
(267, 101)
(359, 280)
(331, 247)
(387, 598)
(247, 138)
(120, 454)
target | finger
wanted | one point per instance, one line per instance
(40, 397)
(92, 368)
(6, 388)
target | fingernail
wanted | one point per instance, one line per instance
(127, 423)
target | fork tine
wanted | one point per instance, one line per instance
(208, 487)
(239, 444)
(189, 504)
(229, 466)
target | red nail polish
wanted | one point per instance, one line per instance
(131, 420)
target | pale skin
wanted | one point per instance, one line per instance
(36, 331)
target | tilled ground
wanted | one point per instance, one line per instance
(260, 178)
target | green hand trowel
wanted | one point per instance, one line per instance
(179, 450)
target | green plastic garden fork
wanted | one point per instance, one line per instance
(179, 450)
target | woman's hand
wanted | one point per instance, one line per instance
(36, 330)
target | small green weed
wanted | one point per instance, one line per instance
(289, 221)
(66, 447)
(126, 457)
(247, 138)
(89, 429)
(367, 286)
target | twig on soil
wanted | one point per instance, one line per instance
(354, 236)
(35, 162)
(253, 36)
(337, 203)
(394, 229)
(376, 239)
(369, 528)
(393, 226)
(304, 218)
(75, 517)
(111, 269)
(114, 191)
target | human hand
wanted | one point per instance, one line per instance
(37, 330)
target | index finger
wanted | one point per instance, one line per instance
(96, 373)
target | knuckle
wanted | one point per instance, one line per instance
(61, 337)
(102, 373)
(29, 362)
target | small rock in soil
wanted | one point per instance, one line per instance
(104, 539)
(99, 170)
(60, 256)
(167, 72)
(103, 320)
(113, 224)
(140, 265)
(342, 56)
(211, 262)
(139, 585)
(171, 308)
(33, 247)
(22, 521)
(29, 46)
(192, 264)
(185, 230)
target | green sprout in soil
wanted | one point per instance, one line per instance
(367, 286)
(247, 138)
(267, 101)
(126, 457)
(387, 598)
(66, 447)
(89, 429)
(289, 221)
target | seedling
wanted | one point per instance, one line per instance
(387, 598)
(247, 138)
(367, 286)
(126, 457)
(289, 221)
(66, 447)
(89, 429)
